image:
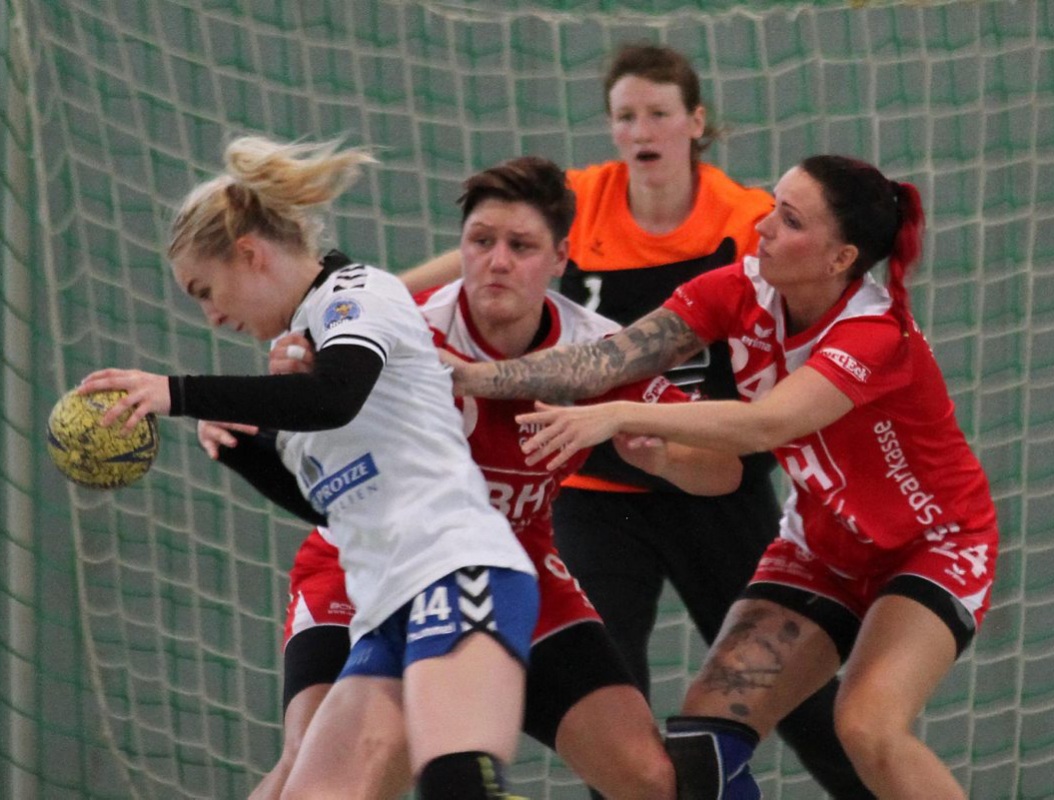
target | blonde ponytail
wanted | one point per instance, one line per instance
(272, 189)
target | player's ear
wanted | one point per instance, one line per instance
(698, 121)
(563, 252)
(844, 258)
(248, 252)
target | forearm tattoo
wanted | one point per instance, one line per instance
(749, 657)
(646, 348)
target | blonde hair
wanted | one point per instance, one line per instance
(275, 190)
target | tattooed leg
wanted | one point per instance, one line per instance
(765, 662)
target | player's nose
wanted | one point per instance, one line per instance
(500, 257)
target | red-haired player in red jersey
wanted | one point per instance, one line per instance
(888, 540)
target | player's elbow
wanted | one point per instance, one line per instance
(703, 471)
(765, 434)
(729, 478)
(335, 414)
(723, 476)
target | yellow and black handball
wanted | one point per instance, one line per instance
(97, 457)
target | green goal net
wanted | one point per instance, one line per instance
(140, 629)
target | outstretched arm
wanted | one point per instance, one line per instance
(696, 470)
(327, 397)
(648, 347)
(802, 403)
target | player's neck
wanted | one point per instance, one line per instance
(659, 207)
(513, 338)
(806, 305)
(299, 281)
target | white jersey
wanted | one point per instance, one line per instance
(446, 312)
(406, 504)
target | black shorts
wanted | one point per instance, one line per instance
(313, 656)
(564, 668)
(842, 625)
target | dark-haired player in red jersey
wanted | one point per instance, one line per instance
(888, 540)
(581, 700)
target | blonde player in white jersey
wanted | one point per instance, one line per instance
(446, 598)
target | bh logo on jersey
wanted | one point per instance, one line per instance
(520, 500)
(340, 311)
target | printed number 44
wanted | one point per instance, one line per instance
(437, 605)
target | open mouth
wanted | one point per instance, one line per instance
(647, 156)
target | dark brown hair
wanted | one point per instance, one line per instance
(538, 182)
(660, 64)
(880, 217)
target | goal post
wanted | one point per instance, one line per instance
(140, 629)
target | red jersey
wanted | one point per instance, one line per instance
(892, 471)
(525, 494)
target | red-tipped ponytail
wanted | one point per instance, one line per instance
(907, 245)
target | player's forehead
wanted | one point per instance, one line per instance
(798, 190)
(631, 91)
(194, 274)
(515, 217)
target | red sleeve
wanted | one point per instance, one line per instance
(865, 358)
(710, 303)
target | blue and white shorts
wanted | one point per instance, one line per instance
(494, 600)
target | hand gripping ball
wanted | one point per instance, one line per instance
(97, 457)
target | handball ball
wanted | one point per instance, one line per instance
(91, 455)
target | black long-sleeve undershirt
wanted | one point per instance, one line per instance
(256, 459)
(327, 397)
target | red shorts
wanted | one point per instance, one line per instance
(963, 564)
(317, 592)
(563, 602)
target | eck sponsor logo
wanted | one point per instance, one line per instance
(847, 363)
(349, 478)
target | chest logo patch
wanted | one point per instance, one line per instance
(341, 311)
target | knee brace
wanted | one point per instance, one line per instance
(470, 775)
(711, 758)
